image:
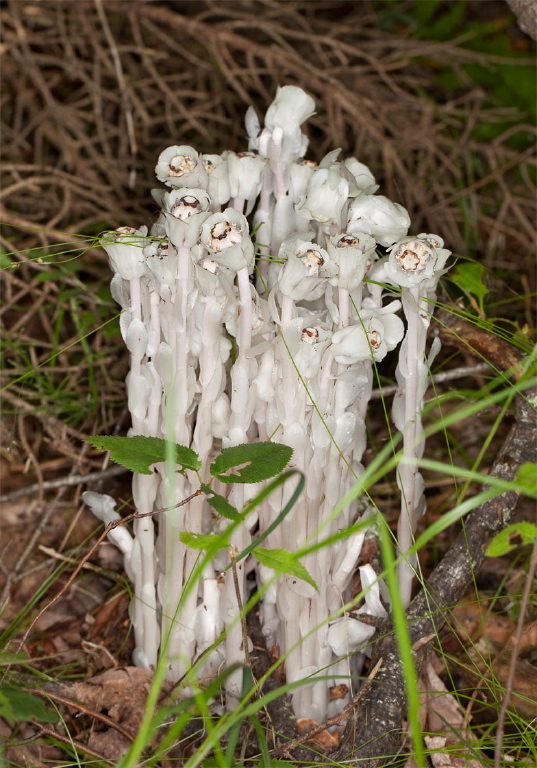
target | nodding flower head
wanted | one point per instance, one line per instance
(125, 249)
(326, 196)
(186, 202)
(245, 172)
(226, 236)
(377, 216)
(377, 333)
(415, 260)
(354, 255)
(306, 269)
(179, 166)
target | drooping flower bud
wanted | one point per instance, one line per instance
(245, 174)
(179, 166)
(379, 331)
(305, 272)
(417, 261)
(226, 236)
(353, 255)
(328, 193)
(377, 216)
(125, 249)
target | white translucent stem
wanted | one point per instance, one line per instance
(409, 477)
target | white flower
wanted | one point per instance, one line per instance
(178, 166)
(125, 249)
(245, 174)
(299, 177)
(347, 634)
(289, 109)
(161, 259)
(185, 202)
(185, 210)
(226, 236)
(353, 255)
(364, 179)
(284, 117)
(305, 272)
(375, 215)
(216, 168)
(379, 331)
(253, 128)
(327, 193)
(417, 261)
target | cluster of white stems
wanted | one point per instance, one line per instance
(232, 343)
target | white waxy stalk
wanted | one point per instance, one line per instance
(125, 248)
(416, 265)
(227, 240)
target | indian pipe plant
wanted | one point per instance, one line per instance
(255, 348)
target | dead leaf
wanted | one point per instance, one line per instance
(325, 741)
(338, 691)
(447, 753)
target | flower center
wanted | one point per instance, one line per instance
(310, 335)
(224, 234)
(348, 241)
(312, 260)
(181, 164)
(413, 256)
(375, 339)
(186, 206)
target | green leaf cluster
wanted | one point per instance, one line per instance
(250, 463)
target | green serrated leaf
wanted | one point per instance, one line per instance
(527, 477)
(251, 463)
(203, 541)
(222, 506)
(138, 453)
(283, 561)
(513, 536)
(24, 705)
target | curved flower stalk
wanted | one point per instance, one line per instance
(226, 236)
(125, 249)
(416, 264)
